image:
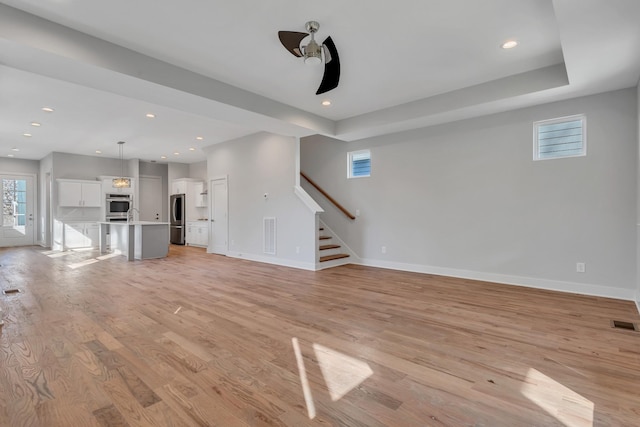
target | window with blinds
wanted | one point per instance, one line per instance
(359, 164)
(563, 137)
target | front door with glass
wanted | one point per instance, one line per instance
(17, 211)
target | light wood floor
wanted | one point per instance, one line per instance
(200, 340)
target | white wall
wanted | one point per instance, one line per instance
(255, 165)
(466, 199)
(8, 165)
(198, 170)
(638, 206)
(176, 171)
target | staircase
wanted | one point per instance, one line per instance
(330, 252)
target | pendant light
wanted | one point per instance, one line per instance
(122, 181)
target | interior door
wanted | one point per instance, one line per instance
(18, 203)
(218, 232)
(150, 198)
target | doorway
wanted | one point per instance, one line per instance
(218, 231)
(151, 198)
(18, 203)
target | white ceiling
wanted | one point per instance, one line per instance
(216, 69)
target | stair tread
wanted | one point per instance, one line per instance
(325, 237)
(325, 247)
(332, 257)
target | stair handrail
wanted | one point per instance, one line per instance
(325, 194)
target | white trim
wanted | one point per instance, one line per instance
(272, 260)
(344, 247)
(307, 199)
(552, 285)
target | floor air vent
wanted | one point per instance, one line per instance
(11, 291)
(619, 324)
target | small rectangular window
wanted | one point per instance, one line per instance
(562, 137)
(359, 164)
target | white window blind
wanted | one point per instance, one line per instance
(359, 164)
(562, 137)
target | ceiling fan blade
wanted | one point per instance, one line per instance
(291, 41)
(331, 76)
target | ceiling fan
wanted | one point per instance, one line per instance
(314, 54)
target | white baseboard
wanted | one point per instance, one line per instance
(273, 260)
(552, 285)
(638, 302)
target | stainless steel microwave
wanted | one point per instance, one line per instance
(118, 205)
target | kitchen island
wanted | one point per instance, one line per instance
(135, 239)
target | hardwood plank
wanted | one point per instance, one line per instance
(199, 340)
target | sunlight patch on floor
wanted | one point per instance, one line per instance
(58, 254)
(83, 263)
(341, 373)
(111, 255)
(560, 402)
(306, 390)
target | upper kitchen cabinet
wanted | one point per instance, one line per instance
(179, 186)
(79, 193)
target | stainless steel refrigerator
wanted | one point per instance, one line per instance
(177, 219)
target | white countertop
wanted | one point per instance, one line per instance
(133, 223)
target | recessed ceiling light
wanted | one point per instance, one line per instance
(176, 154)
(509, 44)
(163, 157)
(36, 124)
(9, 155)
(47, 109)
(199, 138)
(192, 149)
(98, 152)
(326, 103)
(15, 149)
(26, 134)
(151, 115)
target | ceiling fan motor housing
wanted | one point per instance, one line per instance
(312, 53)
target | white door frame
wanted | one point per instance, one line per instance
(212, 182)
(31, 202)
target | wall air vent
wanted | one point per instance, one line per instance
(269, 235)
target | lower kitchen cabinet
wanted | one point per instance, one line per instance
(197, 233)
(80, 235)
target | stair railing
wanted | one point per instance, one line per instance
(331, 199)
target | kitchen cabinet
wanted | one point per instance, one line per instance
(179, 186)
(80, 235)
(79, 193)
(197, 233)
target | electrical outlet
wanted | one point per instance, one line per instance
(580, 267)
(383, 249)
(297, 249)
(357, 212)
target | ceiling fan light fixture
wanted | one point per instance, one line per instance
(313, 53)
